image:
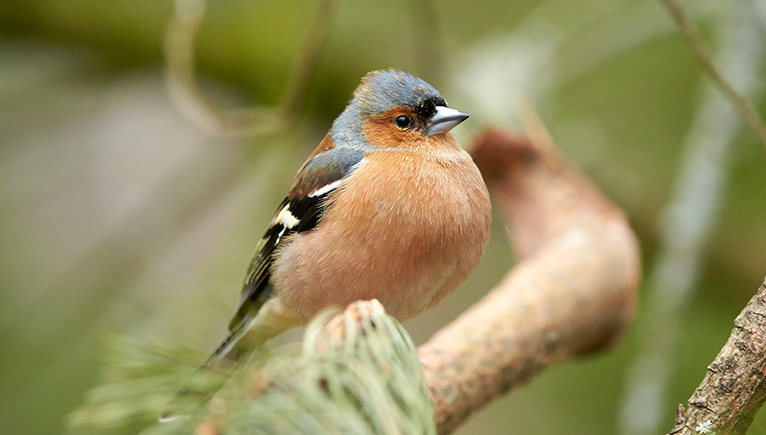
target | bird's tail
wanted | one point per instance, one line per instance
(229, 350)
(208, 379)
(245, 337)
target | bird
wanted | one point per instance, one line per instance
(387, 207)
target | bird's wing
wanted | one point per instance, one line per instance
(300, 211)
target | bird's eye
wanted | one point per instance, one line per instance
(403, 121)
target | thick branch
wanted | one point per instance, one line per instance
(734, 387)
(573, 293)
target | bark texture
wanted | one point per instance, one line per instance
(733, 389)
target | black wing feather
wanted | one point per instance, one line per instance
(305, 206)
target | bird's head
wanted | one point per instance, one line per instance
(395, 109)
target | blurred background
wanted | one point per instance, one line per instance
(125, 208)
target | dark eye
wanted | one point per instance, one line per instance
(403, 121)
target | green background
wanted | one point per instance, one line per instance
(118, 214)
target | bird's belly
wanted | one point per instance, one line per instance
(406, 244)
(408, 270)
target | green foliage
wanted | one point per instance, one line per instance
(368, 382)
(141, 379)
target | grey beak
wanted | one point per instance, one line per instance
(444, 120)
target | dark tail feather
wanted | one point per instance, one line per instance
(248, 335)
(208, 379)
(228, 349)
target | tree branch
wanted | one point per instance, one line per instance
(573, 293)
(734, 387)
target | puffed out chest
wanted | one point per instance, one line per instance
(404, 232)
(425, 200)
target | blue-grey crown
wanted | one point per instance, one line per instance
(381, 91)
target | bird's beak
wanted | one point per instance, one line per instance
(444, 119)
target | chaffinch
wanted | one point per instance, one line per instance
(388, 206)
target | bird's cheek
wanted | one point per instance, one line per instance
(378, 135)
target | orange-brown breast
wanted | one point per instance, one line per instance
(405, 228)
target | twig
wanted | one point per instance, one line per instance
(687, 223)
(184, 89)
(308, 61)
(734, 387)
(741, 104)
(427, 39)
